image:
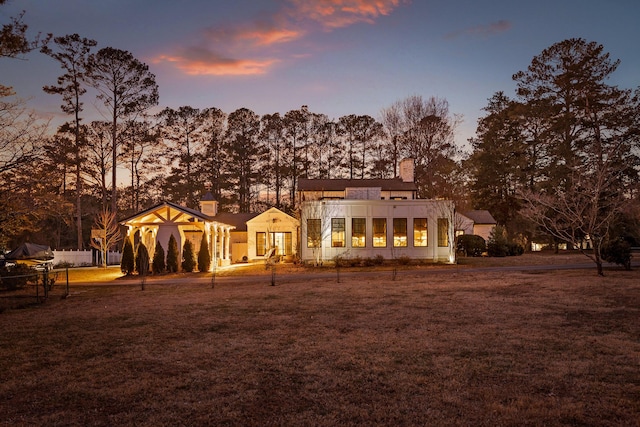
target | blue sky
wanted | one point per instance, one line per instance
(336, 56)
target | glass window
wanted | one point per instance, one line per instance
(337, 232)
(379, 232)
(261, 243)
(443, 232)
(420, 233)
(358, 232)
(314, 234)
(400, 232)
(282, 241)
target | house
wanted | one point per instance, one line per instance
(232, 237)
(478, 222)
(272, 229)
(373, 217)
(159, 222)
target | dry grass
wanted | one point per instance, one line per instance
(466, 348)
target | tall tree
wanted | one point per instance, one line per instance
(295, 122)
(272, 135)
(98, 138)
(244, 154)
(127, 88)
(212, 161)
(72, 52)
(592, 142)
(182, 133)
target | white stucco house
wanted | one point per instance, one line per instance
(373, 217)
(272, 229)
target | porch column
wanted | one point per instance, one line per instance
(227, 235)
(221, 243)
(214, 244)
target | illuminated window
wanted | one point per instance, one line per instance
(443, 232)
(282, 242)
(379, 232)
(358, 232)
(400, 232)
(261, 243)
(314, 234)
(337, 232)
(420, 233)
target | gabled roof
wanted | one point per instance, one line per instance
(394, 184)
(272, 211)
(480, 216)
(195, 213)
(238, 220)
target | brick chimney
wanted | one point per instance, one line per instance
(407, 167)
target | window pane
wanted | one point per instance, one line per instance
(337, 232)
(314, 235)
(379, 232)
(399, 232)
(420, 232)
(358, 232)
(261, 243)
(288, 246)
(443, 232)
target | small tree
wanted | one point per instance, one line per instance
(617, 251)
(172, 255)
(158, 265)
(108, 233)
(471, 245)
(204, 259)
(188, 257)
(142, 260)
(127, 264)
(498, 245)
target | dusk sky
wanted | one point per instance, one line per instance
(336, 56)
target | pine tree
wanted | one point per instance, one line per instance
(158, 266)
(204, 259)
(172, 255)
(127, 263)
(142, 260)
(188, 257)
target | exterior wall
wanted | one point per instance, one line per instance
(239, 246)
(483, 230)
(384, 195)
(369, 209)
(271, 221)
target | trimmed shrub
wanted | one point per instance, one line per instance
(128, 262)
(172, 255)
(617, 251)
(204, 259)
(142, 260)
(471, 245)
(158, 265)
(188, 257)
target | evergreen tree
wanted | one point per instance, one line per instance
(142, 260)
(127, 264)
(158, 265)
(188, 257)
(172, 255)
(204, 259)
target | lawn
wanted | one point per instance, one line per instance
(465, 348)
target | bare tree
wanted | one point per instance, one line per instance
(105, 233)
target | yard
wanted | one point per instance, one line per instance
(467, 347)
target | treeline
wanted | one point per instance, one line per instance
(558, 160)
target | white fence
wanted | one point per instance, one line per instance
(83, 258)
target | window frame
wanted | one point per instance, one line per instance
(314, 233)
(443, 232)
(423, 240)
(338, 233)
(381, 235)
(400, 239)
(359, 232)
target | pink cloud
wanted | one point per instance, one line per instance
(241, 50)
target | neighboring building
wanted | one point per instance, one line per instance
(478, 222)
(159, 222)
(272, 229)
(371, 217)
